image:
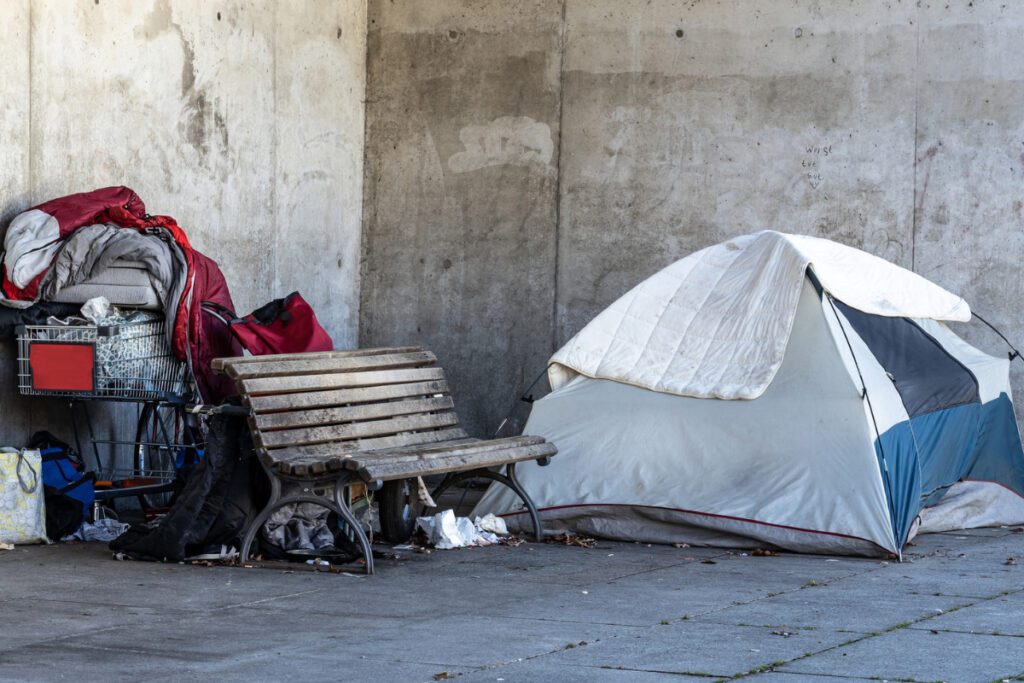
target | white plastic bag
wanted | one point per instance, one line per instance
(22, 511)
(445, 531)
(96, 309)
(491, 523)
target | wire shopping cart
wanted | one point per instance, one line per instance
(129, 361)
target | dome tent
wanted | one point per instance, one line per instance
(776, 389)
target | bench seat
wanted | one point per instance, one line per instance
(369, 415)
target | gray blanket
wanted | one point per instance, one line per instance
(92, 249)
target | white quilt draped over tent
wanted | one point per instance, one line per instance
(716, 323)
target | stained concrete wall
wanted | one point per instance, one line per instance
(527, 163)
(461, 190)
(243, 120)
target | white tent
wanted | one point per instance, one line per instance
(776, 389)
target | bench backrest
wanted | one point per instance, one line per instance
(324, 404)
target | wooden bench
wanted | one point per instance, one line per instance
(324, 421)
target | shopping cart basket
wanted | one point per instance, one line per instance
(127, 361)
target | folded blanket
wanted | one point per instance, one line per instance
(93, 249)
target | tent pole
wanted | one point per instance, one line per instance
(874, 422)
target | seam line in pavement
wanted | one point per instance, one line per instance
(898, 627)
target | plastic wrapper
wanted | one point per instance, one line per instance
(445, 531)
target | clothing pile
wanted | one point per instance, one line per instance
(103, 242)
(138, 275)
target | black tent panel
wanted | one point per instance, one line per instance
(926, 376)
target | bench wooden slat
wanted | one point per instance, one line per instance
(310, 465)
(316, 366)
(339, 458)
(355, 430)
(410, 439)
(388, 455)
(454, 463)
(367, 411)
(220, 365)
(341, 397)
(343, 380)
(341, 451)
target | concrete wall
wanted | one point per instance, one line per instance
(525, 162)
(528, 164)
(461, 190)
(243, 120)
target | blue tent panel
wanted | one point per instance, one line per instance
(925, 375)
(929, 453)
(999, 456)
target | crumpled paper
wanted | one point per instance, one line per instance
(492, 523)
(445, 531)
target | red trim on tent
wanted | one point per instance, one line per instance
(706, 514)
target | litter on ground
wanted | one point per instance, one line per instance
(445, 531)
(572, 539)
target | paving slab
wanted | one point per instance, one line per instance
(208, 643)
(86, 572)
(128, 664)
(474, 641)
(570, 565)
(697, 586)
(959, 541)
(783, 677)
(403, 594)
(727, 581)
(973, 578)
(702, 648)
(542, 669)
(32, 620)
(1000, 616)
(638, 601)
(922, 656)
(863, 609)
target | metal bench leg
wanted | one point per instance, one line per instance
(508, 479)
(538, 530)
(353, 523)
(337, 506)
(257, 523)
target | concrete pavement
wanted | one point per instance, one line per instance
(615, 612)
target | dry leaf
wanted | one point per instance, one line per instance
(572, 539)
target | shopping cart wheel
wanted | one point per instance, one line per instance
(165, 446)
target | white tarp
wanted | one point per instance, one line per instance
(716, 323)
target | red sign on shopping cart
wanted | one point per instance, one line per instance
(62, 367)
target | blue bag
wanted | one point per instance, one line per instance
(64, 472)
(61, 475)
